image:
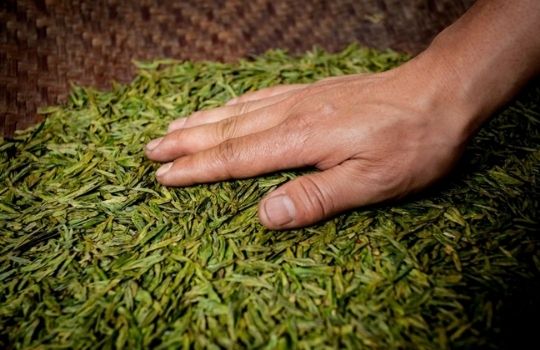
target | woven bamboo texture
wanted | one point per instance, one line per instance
(45, 45)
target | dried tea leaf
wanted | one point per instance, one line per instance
(96, 254)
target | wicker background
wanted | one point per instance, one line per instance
(46, 44)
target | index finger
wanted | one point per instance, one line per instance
(272, 91)
(255, 154)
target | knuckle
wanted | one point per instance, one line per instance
(226, 129)
(301, 122)
(242, 98)
(188, 120)
(171, 142)
(242, 108)
(248, 96)
(300, 129)
(171, 138)
(227, 153)
(317, 202)
(308, 91)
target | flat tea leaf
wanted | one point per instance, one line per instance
(97, 255)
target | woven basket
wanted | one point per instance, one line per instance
(47, 44)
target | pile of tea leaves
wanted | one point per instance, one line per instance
(94, 253)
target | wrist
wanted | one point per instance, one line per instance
(480, 62)
(445, 95)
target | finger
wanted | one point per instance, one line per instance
(314, 197)
(341, 78)
(243, 157)
(246, 103)
(285, 89)
(265, 93)
(191, 140)
(217, 114)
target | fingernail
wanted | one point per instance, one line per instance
(163, 169)
(279, 210)
(177, 124)
(153, 144)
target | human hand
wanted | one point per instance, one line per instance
(373, 137)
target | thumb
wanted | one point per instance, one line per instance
(314, 197)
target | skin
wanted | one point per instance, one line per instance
(373, 137)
